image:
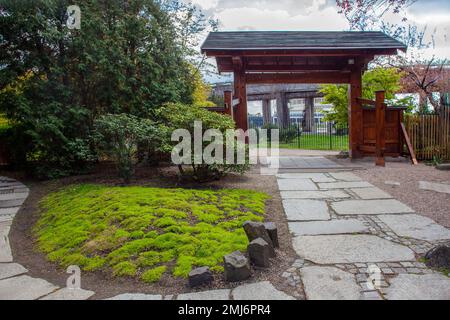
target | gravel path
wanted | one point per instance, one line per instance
(428, 203)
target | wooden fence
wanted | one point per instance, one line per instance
(430, 135)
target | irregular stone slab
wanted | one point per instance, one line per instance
(345, 176)
(200, 277)
(350, 249)
(316, 177)
(415, 226)
(8, 270)
(6, 219)
(419, 287)
(9, 211)
(136, 296)
(11, 184)
(437, 187)
(327, 227)
(329, 283)
(259, 291)
(11, 203)
(371, 193)
(344, 185)
(5, 249)
(393, 184)
(13, 196)
(24, 288)
(272, 230)
(332, 194)
(306, 210)
(223, 294)
(69, 294)
(236, 267)
(296, 185)
(367, 207)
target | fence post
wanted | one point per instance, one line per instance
(380, 116)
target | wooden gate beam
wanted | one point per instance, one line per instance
(380, 118)
(240, 92)
(356, 139)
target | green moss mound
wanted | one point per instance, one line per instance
(145, 232)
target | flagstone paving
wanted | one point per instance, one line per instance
(437, 187)
(370, 207)
(415, 226)
(327, 227)
(329, 283)
(303, 210)
(367, 230)
(371, 193)
(343, 228)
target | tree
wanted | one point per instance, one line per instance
(427, 78)
(126, 58)
(374, 80)
(365, 14)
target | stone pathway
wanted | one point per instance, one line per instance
(344, 229)
(15, 284)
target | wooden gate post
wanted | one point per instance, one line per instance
(380, 116)
(228, 100)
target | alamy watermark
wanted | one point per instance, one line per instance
(236, 147)
(73, 17)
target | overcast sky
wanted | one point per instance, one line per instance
(321, 15)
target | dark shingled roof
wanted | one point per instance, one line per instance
(299, 40)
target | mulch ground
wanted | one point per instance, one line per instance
(23, 242)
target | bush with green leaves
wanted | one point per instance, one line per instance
(180, 116)
(119, 135)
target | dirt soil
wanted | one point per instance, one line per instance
(427, 203)
(104, 285)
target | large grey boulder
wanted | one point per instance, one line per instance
(260, 252)
(272, 230)
(200, 277)
(438, 257)
(255, 230)
(236, 267)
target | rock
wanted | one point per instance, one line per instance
(343, 155)
(392, 183)
(200, 277)
(256, 230)
(439, 257)
(272, 230)
(443, 167)
(236, 267)
(260, 252)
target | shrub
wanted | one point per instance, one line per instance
(118, 135)
(180, 116)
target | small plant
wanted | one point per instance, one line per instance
(181, 116)
(120, 135)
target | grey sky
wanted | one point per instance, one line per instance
(322, 15)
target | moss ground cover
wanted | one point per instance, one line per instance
(145, 232)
